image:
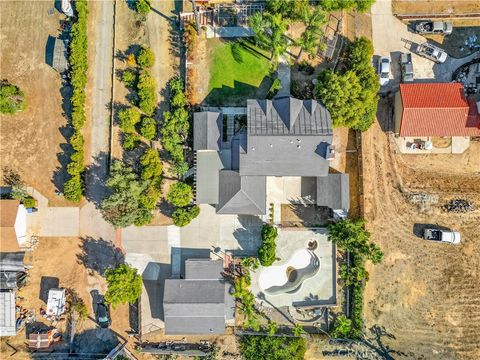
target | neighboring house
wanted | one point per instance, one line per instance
(13, 225)
(11, 267)
(281, 156)
(200, 303)
(434, 118)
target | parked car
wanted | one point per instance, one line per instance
(432, 52)
(434, 27)
(449, 237)
(103, 315)
(384, 70)
(406, 67)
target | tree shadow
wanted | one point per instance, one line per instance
(96, 175)
(47, 283)
(98, 255)
(101, 341)
(238, 94)
(375, 342)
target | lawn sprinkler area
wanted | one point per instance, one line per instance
(303, 275)
(238, 71)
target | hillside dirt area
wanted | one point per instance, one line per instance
(423, 296)
(70, 263)
(33, 142)
(435, 6)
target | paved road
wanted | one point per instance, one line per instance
(91, 221)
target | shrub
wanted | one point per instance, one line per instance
(73, 188)
(151, 164)
(276, 86)
(255, 347)
(342, 327)
(29, 202)
(12, 99)
(148, 128)
(128, 119)
(77, 141)
(183, 216)
(124, 285)
(180, 194)
(306, 67)
(130, 141)
(130, 78)
(145, 58)
(143, 6)
(266, 252)
(131, 60)
(147, 93)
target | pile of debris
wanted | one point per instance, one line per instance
(458, 206)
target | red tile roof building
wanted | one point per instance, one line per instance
(436, 109)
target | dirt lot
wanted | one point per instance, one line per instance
(424, 295)
(59, 262)
(435, 7)
(33, 142)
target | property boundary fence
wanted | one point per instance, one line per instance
(437, 16)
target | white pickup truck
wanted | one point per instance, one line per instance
(450, 237)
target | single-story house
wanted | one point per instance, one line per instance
(434, 118)
(200, 303)
(284, 139)
(13, 225)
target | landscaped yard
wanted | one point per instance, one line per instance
(238, 71)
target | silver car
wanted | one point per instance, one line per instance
(432, 52)
(384, 70)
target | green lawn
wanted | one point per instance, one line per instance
(237, 73)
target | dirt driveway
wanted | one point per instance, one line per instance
(33, 142)
(424, 296)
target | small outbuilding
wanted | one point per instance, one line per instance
(200, 303)
(60, 55)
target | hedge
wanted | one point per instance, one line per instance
(183, 216)
(73, 188)
(266, 252)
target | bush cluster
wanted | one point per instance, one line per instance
(73, 188)
(147, 93)
(176, 126)
(130, 78)
(267, 252)
(143, 6)
(352, 237)
(351, 97)
(12, 99)
(184, 215)
(145, 58)
(180, 194)
(254, 347)
(148, 128)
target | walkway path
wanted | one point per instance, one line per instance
(283, 73)
(91, 221)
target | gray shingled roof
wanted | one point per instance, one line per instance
(286, 156)
(288, 116)
(7, 313)
(60, 61)
(196, 304)
(207, 130)
(208, 164)
(241, 194)
(334, 191)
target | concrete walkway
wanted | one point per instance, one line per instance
(283, 73)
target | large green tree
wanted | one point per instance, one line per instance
(12, 99)
(180, 194)
(124, 207)
(124, 285)
(310, 41)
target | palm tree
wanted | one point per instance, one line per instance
(269, 32)
(310, 40)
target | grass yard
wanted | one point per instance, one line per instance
(238, 71)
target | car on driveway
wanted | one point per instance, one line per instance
(444, 236)
(434, 27)
(103, 315)
(432, 52)
(406, 67)
(384, 70)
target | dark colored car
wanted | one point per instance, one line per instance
(103, 315)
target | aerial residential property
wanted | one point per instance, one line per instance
(240, 180)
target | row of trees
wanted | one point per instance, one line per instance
(352, 238)
(12, 99)
(73, 187)
(351, 96)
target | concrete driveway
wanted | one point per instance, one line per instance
(391, 37)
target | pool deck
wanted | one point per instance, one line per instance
(317, 290)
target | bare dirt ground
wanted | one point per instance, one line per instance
(424, 295)
(435, 7)
(69, 263)
(33, 143)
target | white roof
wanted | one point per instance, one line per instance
(56, 302)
